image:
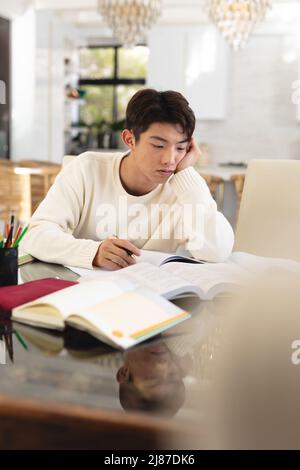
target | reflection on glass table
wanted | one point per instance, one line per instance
(163, 379)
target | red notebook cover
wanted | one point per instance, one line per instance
(13, 296)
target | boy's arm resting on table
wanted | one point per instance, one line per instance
(209, 235)
(49, 236)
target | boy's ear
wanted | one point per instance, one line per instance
(123, 375)
(128, 138)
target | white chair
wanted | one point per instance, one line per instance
(269, 217)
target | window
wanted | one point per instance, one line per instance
(109, 76)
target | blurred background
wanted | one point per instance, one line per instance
(69, 67)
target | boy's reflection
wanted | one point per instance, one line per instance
(151, 380)
(150, 376)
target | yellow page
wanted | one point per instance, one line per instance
(74, 298)
(132, 317)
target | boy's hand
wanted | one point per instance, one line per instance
(113, 254)
(191, 157)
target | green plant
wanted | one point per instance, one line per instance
(117, 125)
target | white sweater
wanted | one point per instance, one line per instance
(88, 203)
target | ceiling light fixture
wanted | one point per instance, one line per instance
(236, 19)
(130, 20)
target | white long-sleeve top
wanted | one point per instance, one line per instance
(88, 203)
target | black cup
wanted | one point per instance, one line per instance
(8, 266)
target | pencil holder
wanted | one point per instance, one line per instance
(8, 266)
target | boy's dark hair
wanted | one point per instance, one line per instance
(149, 106)
(132, 399)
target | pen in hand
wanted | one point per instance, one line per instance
(115, 253)
(127, 251)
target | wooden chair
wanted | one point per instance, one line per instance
(238, 181)
(216, 187)
(6, 163)
(41, 182)
(15, 194)
(49, 171)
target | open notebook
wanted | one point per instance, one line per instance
(24, 258)
(119, 314)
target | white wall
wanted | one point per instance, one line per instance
(261, 120)
(244, 104)
(23, 85)
(193, 60)
(38, 42)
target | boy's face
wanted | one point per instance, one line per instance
(155, 372)
(159, 150)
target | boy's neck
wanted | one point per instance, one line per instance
(133, 181)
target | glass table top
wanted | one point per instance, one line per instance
(162, 377)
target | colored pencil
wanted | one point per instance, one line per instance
(18, 233)
(17, 242)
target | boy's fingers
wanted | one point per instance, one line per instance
(117, 260)
(108, 264)
(127, 245)
(120, 260)
(122, 254)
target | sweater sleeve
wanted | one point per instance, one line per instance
(50, 233)
(207, 232)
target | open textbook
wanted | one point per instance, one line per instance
(177, 279)
(119, 314)
(159, 258)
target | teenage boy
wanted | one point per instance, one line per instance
(103, 208)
